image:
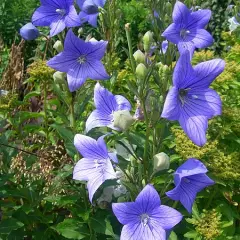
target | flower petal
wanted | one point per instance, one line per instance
(174, 194)
(171, 108)
(97, 50)
(98, 119)
(205, 73)
(188, 45)
(167, 217)
(85, 169)
(80, 3)
(76, 77)
(123, 103)
(194, 126)
(148, 199)
(180, 13)
(127, 212)
(202, 39)
(96, 70)
(92, 19)
(205, 102)
(183, 70)
(44, 16)
(172, 33)
(104, 100)
(89, 147)
(200, 181)
(72, 19)
(113, 156)
(199, 19)
(57, 26)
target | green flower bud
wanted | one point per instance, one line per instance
(59, 77)
(80, 31)
(122, 119)
(161, 161)
(141, 71)
(58, 46)
(147, 41)
(139, 56)
(169, 8)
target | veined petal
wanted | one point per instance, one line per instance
(180, 13)
(205, 73)
(100, 3)
(98, 119)
(126, 212)
(76, 77)
(89, 147)
(85, 169)
(183, 70)
(57, 26)
(148, 199)
(194, 126)
(205, 102)
(83, 17)
(92, 19)
(44, 16)
(96, 70)
(72, 19)
(104, 100)
(97, 50)
(200, 181)
(113, 156)
(191, 167)
(202, 39)
(174, 194)
(188, 45)
(123, 103)
(80, 3)
(166, 217)
(199, 19)
(62, 62)
(172, 105)
(74, 44)
(172, 33)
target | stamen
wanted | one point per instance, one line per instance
(186, 180)
(144, 219)
(62, 12)
(82, 59)
(184, 33)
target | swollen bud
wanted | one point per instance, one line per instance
(147, 41)
(29, 32)
(161, 161)
(58, 46)
(141, 71)
(122, 119)
(169, 8)
(59, 77)
(139, 56)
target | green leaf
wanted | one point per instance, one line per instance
(173, 236)
(72, 229)
(8, 225)
(192, 234)
(101, 224)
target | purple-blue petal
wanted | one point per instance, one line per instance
(122, 103)
(180, 13)
(44, 16)
(199, 19)
(172, 33)
(202, 39)
(57, 26)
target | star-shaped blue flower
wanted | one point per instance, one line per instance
(89, 10)
(146, 218)
(187, 29)
(106, 104)
(80, 60)
(95, 167)
(190, 100)
(56, 14)
(189, 179)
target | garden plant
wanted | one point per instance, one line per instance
(120, 120)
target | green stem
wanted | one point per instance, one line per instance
(45, 109)
(72, 118)
(129, 40)
(175, 204)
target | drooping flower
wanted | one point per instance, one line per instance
(190, 100)
(189, 179)
(164, 46)
(80, 60)
(29, 32)
(106, 105)
(187, 29)
(56, 14)
(95, 167)
(90, 10)
(146, 218)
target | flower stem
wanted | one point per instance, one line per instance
(72, 118)
(45, 109)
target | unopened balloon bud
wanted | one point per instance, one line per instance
(141, 71)
(161, 161)
(122, 119)
(58, 46)
(169, 8)
(59, 77)
(147, 41)
(139, 56)
(93, 40)
(80, 31)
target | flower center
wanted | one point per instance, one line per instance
(81, 59)
(62, 12)
(184, 33)
(182, 94)
(144, 219)
(90, 7)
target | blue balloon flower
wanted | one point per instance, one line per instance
(29, 32)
